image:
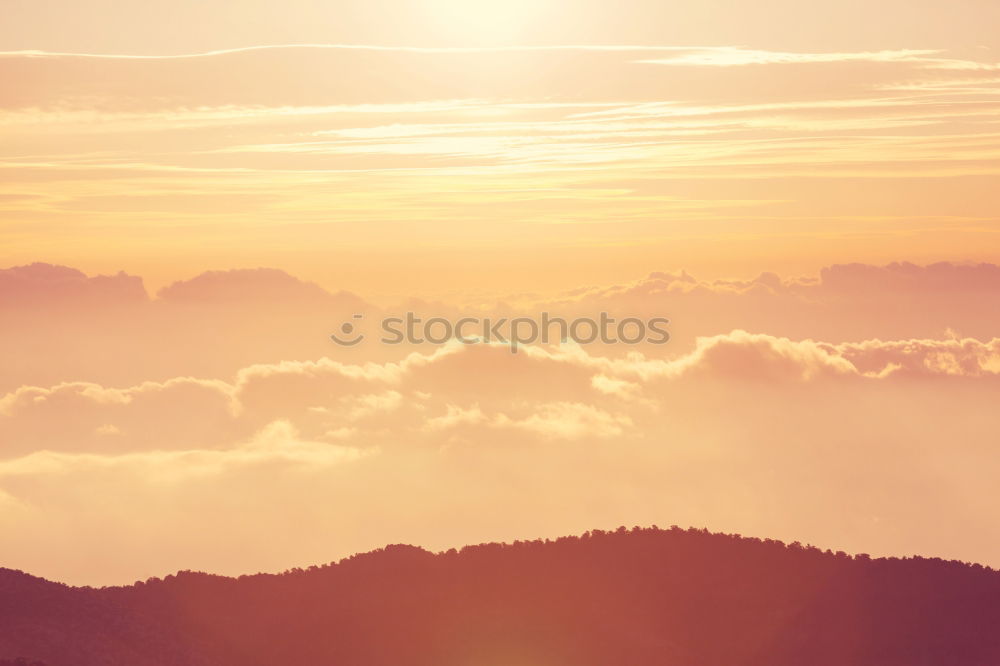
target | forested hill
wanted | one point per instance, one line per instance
(624, 598)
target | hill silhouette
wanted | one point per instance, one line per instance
(625, 598)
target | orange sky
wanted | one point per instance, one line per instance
(779, 136)
(507, 157)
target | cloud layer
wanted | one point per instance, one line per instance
(875, 446)
(593, 157)
(65, 327)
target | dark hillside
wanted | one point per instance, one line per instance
(640, 597)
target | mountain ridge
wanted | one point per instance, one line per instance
(640, 596)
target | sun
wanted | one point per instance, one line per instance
(483, 22)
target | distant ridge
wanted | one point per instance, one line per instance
(625, 598)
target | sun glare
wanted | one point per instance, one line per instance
(487, 22)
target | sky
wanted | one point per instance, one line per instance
(195, 194)
(271, 134)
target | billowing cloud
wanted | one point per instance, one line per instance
(841, 444)
(66, 328)
(846, 302)
(42, 285)
(398, 403)
(63, 326)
